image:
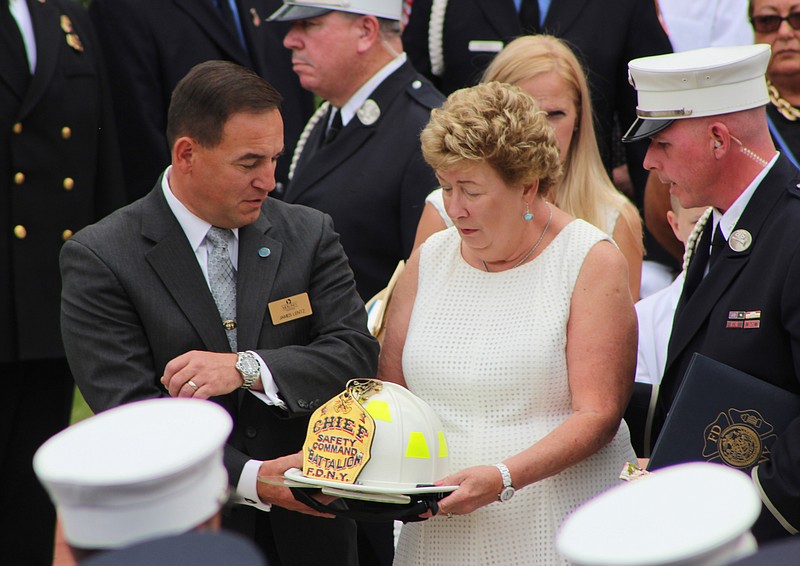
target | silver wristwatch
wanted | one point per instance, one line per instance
(248, 367)
(508, 490)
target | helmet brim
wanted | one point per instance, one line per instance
(290, 13)
(642, 129)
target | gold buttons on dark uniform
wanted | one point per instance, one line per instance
(66, 235)
(20, 232)
(19, 178)
(17, 128)
(66, 132)
(69, 183)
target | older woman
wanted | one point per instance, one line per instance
(517, 326)
(544, 67)
(777, 22)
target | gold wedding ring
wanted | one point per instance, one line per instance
(192, 384)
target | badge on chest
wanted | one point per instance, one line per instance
(290, 308)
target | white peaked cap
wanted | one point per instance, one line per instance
(692, 84)
(137, 472)
(696, 514)
(302, 9)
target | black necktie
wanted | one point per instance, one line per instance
(529, 16)
(334, 127)
(19, 56)
(717, 246)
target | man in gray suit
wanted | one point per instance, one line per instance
(155, 304)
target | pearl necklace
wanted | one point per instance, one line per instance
(536, 245)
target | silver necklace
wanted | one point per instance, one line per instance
(536, 245)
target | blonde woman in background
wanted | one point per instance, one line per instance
(545, 68)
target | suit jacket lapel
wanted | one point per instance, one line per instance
(255, 279)
(561, 15)
(694, 315)
(175, 263)
(205, 14)
(501, 16)
(10, 69)
(352, 137)
(49, 35)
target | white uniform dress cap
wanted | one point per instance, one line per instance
(137, 472)
(692, 84)
(696, 514)
(303, 9)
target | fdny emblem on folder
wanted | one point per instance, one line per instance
(739, 439)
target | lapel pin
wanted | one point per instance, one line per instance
(369, 112)
(75, 42)
(256, 17)
(740, 240)
(263, 252)
(66, 24)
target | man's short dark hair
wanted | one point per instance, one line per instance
(212, 92)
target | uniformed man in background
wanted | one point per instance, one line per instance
(59, 171)
(359, 158)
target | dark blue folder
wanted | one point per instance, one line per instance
(723, 415)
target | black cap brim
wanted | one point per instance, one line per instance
(643, 129)
(290, 13)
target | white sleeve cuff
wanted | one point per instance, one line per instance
(247, 488)
(270, 395)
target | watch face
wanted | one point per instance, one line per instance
(247, 365)
(507, 493)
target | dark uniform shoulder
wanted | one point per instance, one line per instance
(424, 93)
(794, 190)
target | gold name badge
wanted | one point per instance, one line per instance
(340, 435)
(290, 308)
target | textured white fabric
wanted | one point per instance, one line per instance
(487, 351)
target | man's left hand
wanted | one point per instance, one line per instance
(202, 375)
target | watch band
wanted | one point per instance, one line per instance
(504, 473)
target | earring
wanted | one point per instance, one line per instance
(528, 216)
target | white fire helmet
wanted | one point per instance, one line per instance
(390, 441)
(409, 450)
(378, 448)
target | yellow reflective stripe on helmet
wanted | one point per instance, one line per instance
(442, 446)
(417, 446)
(380, 410)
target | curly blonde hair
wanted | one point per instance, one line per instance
(498, 124)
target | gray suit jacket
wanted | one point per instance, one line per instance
(134, 297)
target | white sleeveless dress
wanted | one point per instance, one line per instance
(488, 352)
